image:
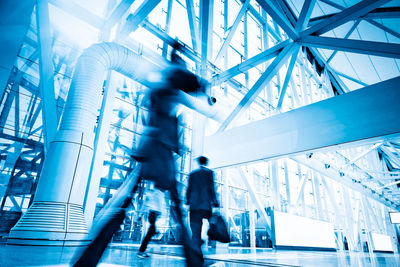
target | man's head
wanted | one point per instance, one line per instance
(175, 58)
(203, 161)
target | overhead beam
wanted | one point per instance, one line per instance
(351, 78)
(363, 154)
(278, 17)
(354, 46)
(270, 72)
(250, 63)
(288, 76)
(133, 20)
(344, 16)
(206, 22)
(378, 13)
(286, 10)
(305, 15)
(46, 84)
(384, 28)
(194, 32)
(231, 32)
(263, 22)
(78, 12)
(335, 121)
(391, 156)
(159, 33)
(355, 25)
(333, 174)
(116, 14)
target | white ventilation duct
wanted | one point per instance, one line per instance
(56, 215)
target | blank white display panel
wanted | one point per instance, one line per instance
(382, 242)
(394, 217)
(296, 231)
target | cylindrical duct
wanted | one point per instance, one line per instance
(56, 215)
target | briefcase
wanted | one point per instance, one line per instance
(218, 230)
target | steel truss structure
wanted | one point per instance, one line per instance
(263, 58)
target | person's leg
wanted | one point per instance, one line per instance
(152, 230)
(107, 223)
(196, 223)
(110, 223)
(193, 255)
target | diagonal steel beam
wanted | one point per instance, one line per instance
(345, 37)
(167, 27)
(286, 10)
(354, 46)
(344, 16)
(334, 175)
(303, 181)
(263, 22)
(194, 33)
(384, 28)
(133, 20)
(49, 112)
(351, 78)
(362, 154)
(116, 14)
(390, 154)
(232, 30)
(255, 199)
(287, 78)
(379, 13)
(159, 33)
(250, 63)
(270, 72)
(388, 185)
(305, 15)
(278, 17)
(206, 20)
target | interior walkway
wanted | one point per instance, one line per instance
(165, 255)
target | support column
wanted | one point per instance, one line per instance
(252, 225)
(49, 112)
(206, 18)
(276, 196)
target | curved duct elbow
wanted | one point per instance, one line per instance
(83, 98)
(65, 171)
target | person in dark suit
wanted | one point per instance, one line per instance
(201, 198)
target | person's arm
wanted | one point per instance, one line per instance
(215, 202)
(189, 189)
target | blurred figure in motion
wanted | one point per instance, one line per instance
(155, 155)
(201, 198)
(154, 205)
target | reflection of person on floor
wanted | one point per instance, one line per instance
(154, 205)
(157, 164)
(201, 198)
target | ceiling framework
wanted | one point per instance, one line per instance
(298, 53)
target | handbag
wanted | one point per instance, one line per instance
(218, 230)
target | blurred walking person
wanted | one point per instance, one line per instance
(155, 154)
(201, 198)
(154, 204)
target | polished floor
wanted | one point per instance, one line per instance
(162, 255)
